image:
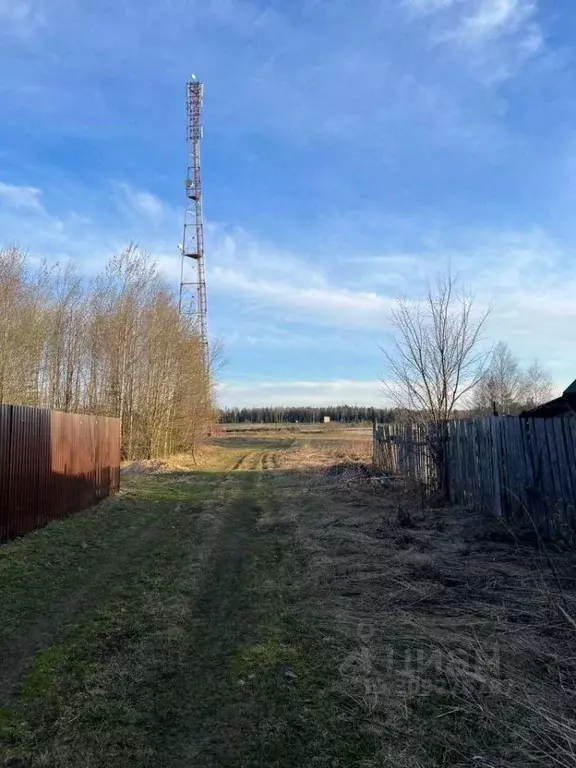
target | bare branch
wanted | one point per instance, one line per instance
(435, 356)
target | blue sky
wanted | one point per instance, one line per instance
(352, 149)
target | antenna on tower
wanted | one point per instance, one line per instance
(192, 278)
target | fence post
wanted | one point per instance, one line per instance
(445, 452)
(494, 430)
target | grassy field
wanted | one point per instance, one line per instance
(271, 605)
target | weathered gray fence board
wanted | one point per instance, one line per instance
(521, 469)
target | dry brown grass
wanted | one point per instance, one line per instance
(332, 431)
(152, 467)
(463, 636)
(318, 454)
(209, 457)
(457, 637)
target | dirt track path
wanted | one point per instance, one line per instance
(261, 461)
(161, 630)
(236, 617)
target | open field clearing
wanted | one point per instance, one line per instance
(273, 605)
(330, 431)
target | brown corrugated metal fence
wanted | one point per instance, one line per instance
(52, 464)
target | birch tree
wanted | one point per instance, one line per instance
(538, 385)
(114, 346)
(503, 383)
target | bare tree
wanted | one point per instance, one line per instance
(435, 359)
(116, 347)
(62, 347)
(503, 383)
(508, 387)
(538, 386)
(23, 312)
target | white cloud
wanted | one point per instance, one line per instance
(331, 305)
(481, 19)
(28, 220)
(554, 303)
(497, 17)
(275, 338)
(293, 393)
(23, 198)
(394, 83)
(234, 247)
(286, 286)
(524, 276)
(496, 37)
(140, 202)
(149, 205)
(256, 287)
(500, 36)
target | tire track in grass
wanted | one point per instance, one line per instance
(239, 465)
(204, 655)
(255, 462)
(270, 463)
(261, 695)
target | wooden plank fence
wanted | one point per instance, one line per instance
(523, 470)
(407, 450)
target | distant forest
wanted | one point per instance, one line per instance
(344, 414)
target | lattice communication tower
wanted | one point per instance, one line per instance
(192, 279)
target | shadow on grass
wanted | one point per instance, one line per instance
(197, 647)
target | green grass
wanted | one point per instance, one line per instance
(65, 559)
(169, 627)
(74, 594)
(191, 622)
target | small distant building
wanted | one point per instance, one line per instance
(562, 405)
(326, 419)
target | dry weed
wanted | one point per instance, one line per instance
(464, 643)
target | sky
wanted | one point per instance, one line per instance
(353, 149)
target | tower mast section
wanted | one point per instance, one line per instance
(193, 279)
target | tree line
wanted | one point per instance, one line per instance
(344, 414)
(114, 345)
